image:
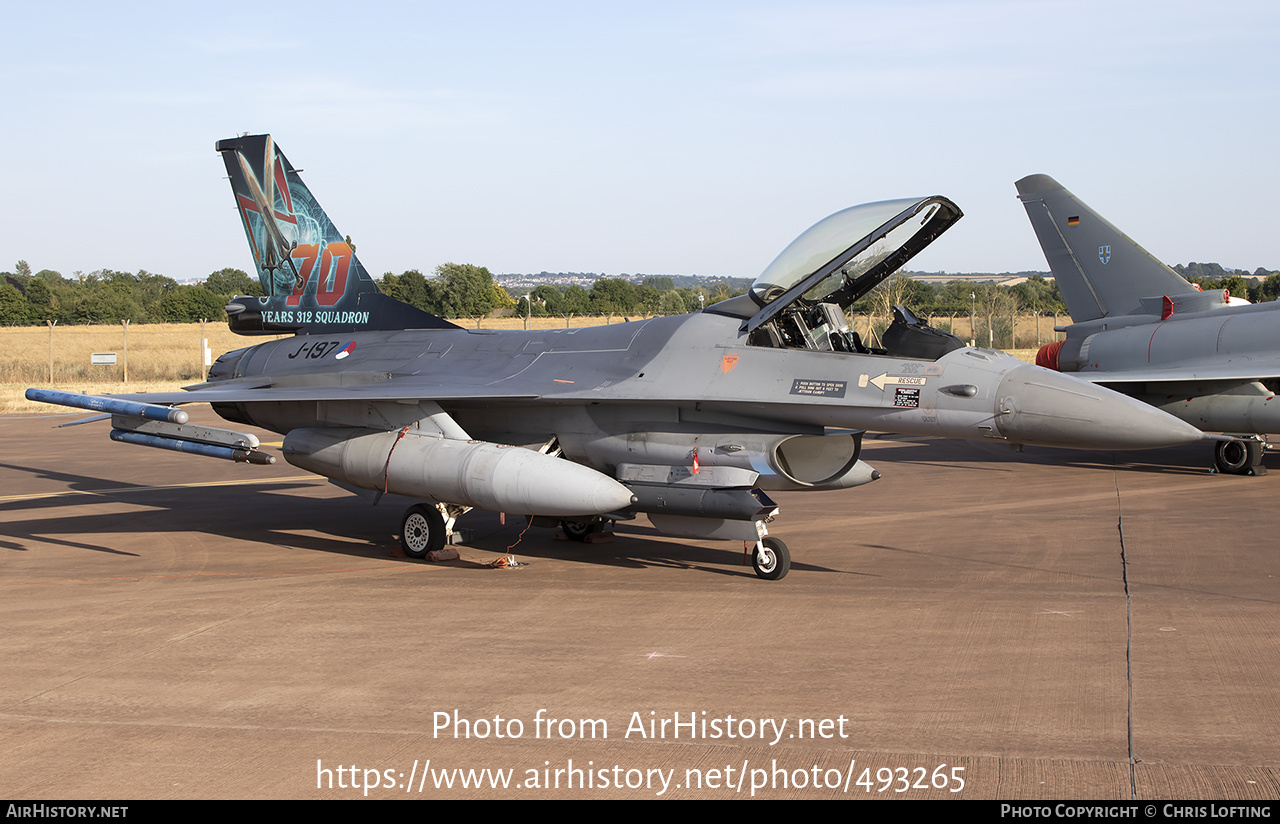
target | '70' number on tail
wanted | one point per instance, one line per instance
(331, 274)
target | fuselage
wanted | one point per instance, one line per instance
(1227, 335)
(685, 372)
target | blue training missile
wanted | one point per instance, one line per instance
(192, 447)
(115, 406)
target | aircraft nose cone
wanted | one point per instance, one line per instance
(1037, 406)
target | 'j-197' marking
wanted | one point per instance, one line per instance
(315, 349)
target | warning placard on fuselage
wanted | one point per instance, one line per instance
(906, 397)
(817, 388)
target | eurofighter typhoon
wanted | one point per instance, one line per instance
(1139, 327)
(691, 420)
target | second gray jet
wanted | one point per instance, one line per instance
(1211, 359)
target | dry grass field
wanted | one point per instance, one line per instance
(166, 356)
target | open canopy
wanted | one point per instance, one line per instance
(842, 257)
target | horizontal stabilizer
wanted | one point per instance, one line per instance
(397, 389)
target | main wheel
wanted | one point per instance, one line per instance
(579, 530)
(771, 559)
(421, 531)
(1237, 457)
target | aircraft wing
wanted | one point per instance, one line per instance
(404, 389)
(1237, 371)
(154, 419)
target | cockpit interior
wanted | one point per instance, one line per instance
(802, 299)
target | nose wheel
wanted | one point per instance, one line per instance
(771, 559)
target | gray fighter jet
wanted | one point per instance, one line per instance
(1211, 359)
(692, 420)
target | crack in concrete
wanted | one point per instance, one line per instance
(1128, 645)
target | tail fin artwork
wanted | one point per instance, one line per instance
(1099, 269)
(312, 279)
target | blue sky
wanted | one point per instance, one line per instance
(692, 138)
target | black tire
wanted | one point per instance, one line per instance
(579, 530)
(774, 562)
(1237, 457)
(421, 531)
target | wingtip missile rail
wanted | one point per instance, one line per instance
(115, 406)
(161, 427)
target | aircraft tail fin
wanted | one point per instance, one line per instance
(310, 275)
(1099, 269)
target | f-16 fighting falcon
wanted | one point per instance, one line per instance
(692, 420)
(1211, 359)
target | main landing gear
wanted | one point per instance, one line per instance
(1243, 457)
(427, 527)
(579, 530)
(422, 531)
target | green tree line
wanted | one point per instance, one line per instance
(457, 290)
(962, 297)
(466, 291)
(108, 296)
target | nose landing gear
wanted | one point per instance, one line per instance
(771, 559)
